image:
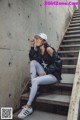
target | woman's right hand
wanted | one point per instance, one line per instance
(32, 42)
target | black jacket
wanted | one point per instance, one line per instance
(54, 63)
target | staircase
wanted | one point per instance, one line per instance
(53, 102)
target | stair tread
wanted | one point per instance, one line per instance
(77, 21)
(72, 45)
(73, 28)
(77, 10)
(76, 13)
(50, 98)
(74, 51)
(74, 24)
(69, 66)
(67, 79)
(71, 40)
(72, 35)
(69, 58)
(40, 115)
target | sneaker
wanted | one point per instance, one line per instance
(25, 112)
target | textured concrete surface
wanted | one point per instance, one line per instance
(19, 20)
(38, 115)
(67, 78)
(51, 98)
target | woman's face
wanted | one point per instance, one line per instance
(39, 41)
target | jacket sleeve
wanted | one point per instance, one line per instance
(33, 54)
(56, 64)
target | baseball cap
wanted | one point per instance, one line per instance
(43, 36)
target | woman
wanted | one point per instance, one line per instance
(45, 68)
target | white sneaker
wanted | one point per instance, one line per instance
(25, 112)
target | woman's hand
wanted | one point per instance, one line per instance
(32, 42)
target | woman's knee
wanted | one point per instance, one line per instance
(34, 81)
(33, 62)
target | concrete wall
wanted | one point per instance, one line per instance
(19, 20)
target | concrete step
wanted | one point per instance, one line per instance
(69, 66)
(69, 69)
(67, 79)
(77, 21)
(73, 36)
(74, 24)
(69, 58)
(54, 99)
(73, 32)
(73, 19)
(76, 13)
(76, 16)
(71, 40)
(68, 53)
(70, 47)
(75, 51)
(73, 28)
(75, 45)
(39, 115)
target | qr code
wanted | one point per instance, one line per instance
(6, 113)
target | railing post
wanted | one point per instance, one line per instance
(75, 96)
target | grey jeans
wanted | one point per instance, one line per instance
(35, 68)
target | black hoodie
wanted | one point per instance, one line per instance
(53, 63)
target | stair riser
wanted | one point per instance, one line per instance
(70, 48)
(71, 43)
(61, 110)
(68, 54)
(69, 70)
(66, 90)
(63, 90)
(69, 62)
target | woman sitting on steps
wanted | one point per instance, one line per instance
(45, 62)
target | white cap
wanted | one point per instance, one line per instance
(43, 36)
